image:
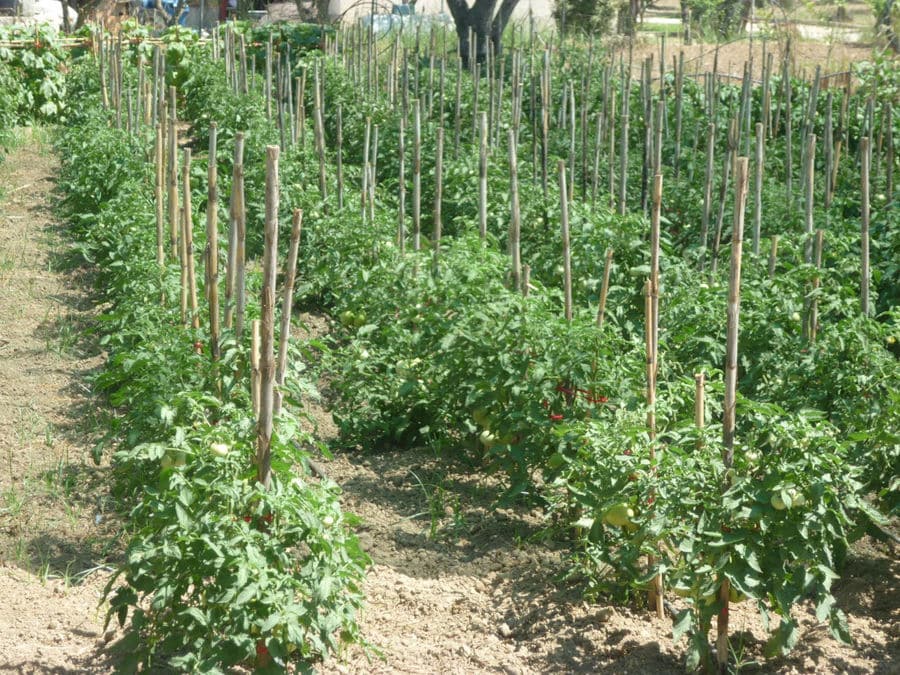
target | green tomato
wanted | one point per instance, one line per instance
(219, 449)
(619, 515)
(683, 591)
(734, 595)
(173, 458)
(777, 503)
(481, 417)
(488, 440)
(347, 318)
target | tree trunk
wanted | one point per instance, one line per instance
(485, 23)
(886, 26)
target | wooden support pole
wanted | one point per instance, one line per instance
(865, 158)
(438, 199)
(172, 157)
(515, 217)
(187, 235)
(567, 253)
(731, 366)
(212, 242)
(482, 174)
(267, 323)
(159, 170)
(759, 165)
(290, 275)
(604, 288)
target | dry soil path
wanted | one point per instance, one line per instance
(53, 520)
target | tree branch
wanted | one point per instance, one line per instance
(502, 17)
(458, 10)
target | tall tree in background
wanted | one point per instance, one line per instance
(486, 23)
(885, 23)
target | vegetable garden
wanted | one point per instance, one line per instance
(659, 304)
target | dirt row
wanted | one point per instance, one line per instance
(455, 586)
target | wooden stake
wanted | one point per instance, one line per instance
(809, 177)
(515, 222)
(699, 400)
(482, 174)
(254, 367)
(267, 320)
(817, 281)
(567, 253)
(731, 365)
(173, 176)
(212, 242)
(187, 221)
(438, 199)
(757, 185)
(240, 223)
(604, 288)
(290, 275)
(707, 192)
(159, 169)
(417, 175)
(864, 249)
(401, 211)
(773, 256)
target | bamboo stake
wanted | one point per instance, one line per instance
(888, 127)
(232, 236)
(604, 288)
(809, 177)
(817, 281)
(757, 185)
(254, 367)
(212, 242)
(340, 156)
(401, 210)
(267, 319)
(290, 275)
(482, 174)
(699, 400)
(707, 192)
(829, 147)
(679, 101)
(159, 169)
(788, 151)
(623, 150)
(173, 176)
(515, 222)
(731, 365)
(864, 254)
(567, 253)
(417, 175)
(438, 199)
(723, 190)
(187, 221)
(611, 163)
(773, 255)
(239, 215)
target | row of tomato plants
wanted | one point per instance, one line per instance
(459, 362)
(218, 571)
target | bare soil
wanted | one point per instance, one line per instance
(54, 525)
(457, 586)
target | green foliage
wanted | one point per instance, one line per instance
(438, 350)
(39, 92)
(219, 572)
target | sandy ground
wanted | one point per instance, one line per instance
(53, 508)
(457, 586)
